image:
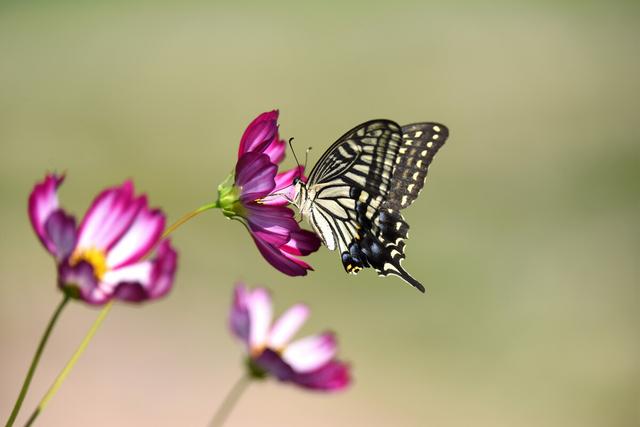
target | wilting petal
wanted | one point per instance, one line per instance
(80, 280)
(60, 230)
(255, 176)
(109, 217)
(139, 238)
(333, 376)
(281, 261)
(239, 321)
(287, 325)
(284, 190)
(310, 353)
(144, 280)
(271, 362)
(260, 133)
(260, 313)
(43, 201)
(272, 224)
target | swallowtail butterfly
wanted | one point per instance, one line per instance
(355, 193)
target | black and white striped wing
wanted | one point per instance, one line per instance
(349, 185)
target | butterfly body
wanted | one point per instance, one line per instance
(355, 192)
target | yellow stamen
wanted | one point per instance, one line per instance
(96, 257)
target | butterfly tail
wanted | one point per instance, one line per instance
(396, 269)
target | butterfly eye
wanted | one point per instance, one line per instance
(296, 180)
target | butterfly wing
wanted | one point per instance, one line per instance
(420, 143)
(360, 185)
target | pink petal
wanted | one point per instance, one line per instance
(81, 279)
(276, 150)
(138, 239)
(60, 230)
(281, 261)
(272, 224)
(287, 325)
(260, 133)
(43, 201)
(109, 216)
(302, 243)
(310, 353)
(239, 321)
(255, 176)
(146, 280)
(260, 313)
(284, 191)
(333, 376)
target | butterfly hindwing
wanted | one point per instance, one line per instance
(420, 143)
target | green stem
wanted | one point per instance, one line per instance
(36, 360)
(70, 364)
(230, 401)
(187, 217)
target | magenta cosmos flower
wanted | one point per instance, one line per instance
(308, 362)
(104, 258)
(257, 195)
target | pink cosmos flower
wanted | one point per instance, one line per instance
(104, 257)
(259, 195)
(308, 362)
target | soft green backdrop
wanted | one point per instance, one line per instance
(526, 236)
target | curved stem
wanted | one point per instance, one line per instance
(230, 400)
(36, 360)
(187, 217)
(70, 364)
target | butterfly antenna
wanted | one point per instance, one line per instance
(306, 157)
(293, 151)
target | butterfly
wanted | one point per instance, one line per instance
(356, 191)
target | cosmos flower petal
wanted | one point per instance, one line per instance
(139, 239)
(80, 279)
(43, 201)
(279, 260)
(310, 353)
(284, 190)
(271, 362)
(260, 133)
(260, 314)
(255, 176)
(60, 230)
(239, 321)
(333, 376)
(272, 224)
(287, 325)
(301, 243)
(109, 217)
(146, 280)
(276, 150)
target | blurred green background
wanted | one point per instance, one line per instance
(526, 235)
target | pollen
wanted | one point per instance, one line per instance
(96, 257)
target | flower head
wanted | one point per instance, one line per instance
(103, 257)
(308, 362)
(257, 195)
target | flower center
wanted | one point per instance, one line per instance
(96, 257)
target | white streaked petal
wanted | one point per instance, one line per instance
(260, 314)
(287, 325)
(310, 353)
